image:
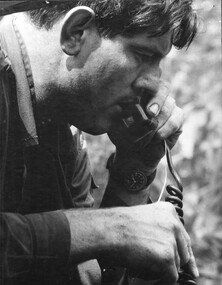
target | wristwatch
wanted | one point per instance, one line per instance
(134, 180)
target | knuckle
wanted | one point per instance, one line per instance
(169, 206)
(170, 211)
(176, 226)
(169, 256)
(174, 222)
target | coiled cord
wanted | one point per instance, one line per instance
(176, 198)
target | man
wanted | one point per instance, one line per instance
(86, 63)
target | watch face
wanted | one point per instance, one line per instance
(135, 181)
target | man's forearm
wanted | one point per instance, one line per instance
(33, 242)
(94, 233)
(55, 240)
(134, 237)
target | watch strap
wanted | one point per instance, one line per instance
(142, 180)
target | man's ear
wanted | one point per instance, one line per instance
(75, 22)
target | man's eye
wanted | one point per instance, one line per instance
(148, 58)
(145, 57)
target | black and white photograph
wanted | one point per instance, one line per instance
(110, 142)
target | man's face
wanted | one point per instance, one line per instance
(114, 75)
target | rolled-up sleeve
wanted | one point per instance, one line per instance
(32, 243)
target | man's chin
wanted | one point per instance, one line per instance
(98, 127)
(96, 130)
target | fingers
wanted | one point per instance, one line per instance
(170, 119)
(183, 245)
(166, 111)
(190, 266)
(184, 257)
(165, 271)
(155, 105)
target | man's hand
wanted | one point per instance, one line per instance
(155, 244)
(150, 240)
(170, 120)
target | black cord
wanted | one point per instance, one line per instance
(176, 198)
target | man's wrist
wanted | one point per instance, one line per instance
(89, 240)
(131, 174)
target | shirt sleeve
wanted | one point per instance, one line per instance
(33, 243)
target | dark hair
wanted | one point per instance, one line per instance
(129, 17)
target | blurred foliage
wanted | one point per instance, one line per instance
(195, 80)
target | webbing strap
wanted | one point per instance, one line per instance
(10, 7)
(22, 69)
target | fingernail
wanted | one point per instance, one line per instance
(154, 108)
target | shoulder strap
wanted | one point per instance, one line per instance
(10, 7)
(7, 82)
(13, 47)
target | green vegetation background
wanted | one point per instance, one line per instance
(195, 80)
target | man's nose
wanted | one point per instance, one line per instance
(147, 85)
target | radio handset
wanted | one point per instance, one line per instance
(139, 124)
